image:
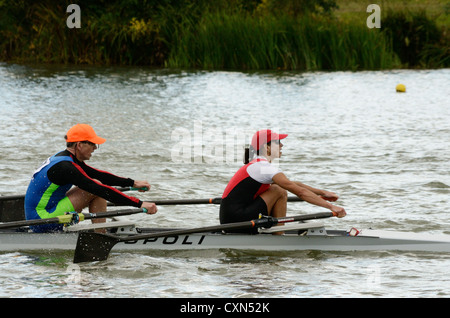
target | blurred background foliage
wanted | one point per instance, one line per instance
(228, 34)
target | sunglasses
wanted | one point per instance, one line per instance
(89, 143)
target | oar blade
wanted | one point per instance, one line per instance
(93, 247)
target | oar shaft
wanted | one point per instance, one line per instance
(305, 217)
(187, 202)
(110, 214)
(12, 206)
(67, 218)
(216, 200)
(96, 246)
(263, 222)
(10, 225)
(215, 228)
(22, 196)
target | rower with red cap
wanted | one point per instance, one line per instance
(51, 192)
(260, 187)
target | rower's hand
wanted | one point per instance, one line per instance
(329, 196)
(150, 206)
(142, 186)
(340, 211)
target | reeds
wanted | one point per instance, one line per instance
(193, 34)
(242, 41)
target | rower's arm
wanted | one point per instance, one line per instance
(304, 192)
(313, 190)
(327, 195)
(106, 177)
(67, 172)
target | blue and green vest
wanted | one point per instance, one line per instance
(42, 195)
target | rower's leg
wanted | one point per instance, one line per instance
(98, 204)
(81, 199)
(276, 201)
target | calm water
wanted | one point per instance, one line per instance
(386, 154)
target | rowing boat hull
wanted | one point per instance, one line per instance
(367, 240)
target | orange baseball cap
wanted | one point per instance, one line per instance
(264, 136)
(83, 132)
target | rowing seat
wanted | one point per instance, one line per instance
(311, 227)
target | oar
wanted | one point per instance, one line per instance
(216, 200)
(96, 246)
(12, 206)
(67, 218)
(22, 196)
(161, 202)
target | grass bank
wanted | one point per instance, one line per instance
(225, 34)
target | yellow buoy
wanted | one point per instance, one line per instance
(400, 88)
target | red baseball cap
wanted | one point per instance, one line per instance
(264, 136)
(83, 132)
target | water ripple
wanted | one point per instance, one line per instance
(385, 153)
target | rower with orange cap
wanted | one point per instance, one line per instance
(260, 187)
(65, 183)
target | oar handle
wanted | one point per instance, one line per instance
(297, 218)
(139, 189)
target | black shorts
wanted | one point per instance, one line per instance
(232, 213)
